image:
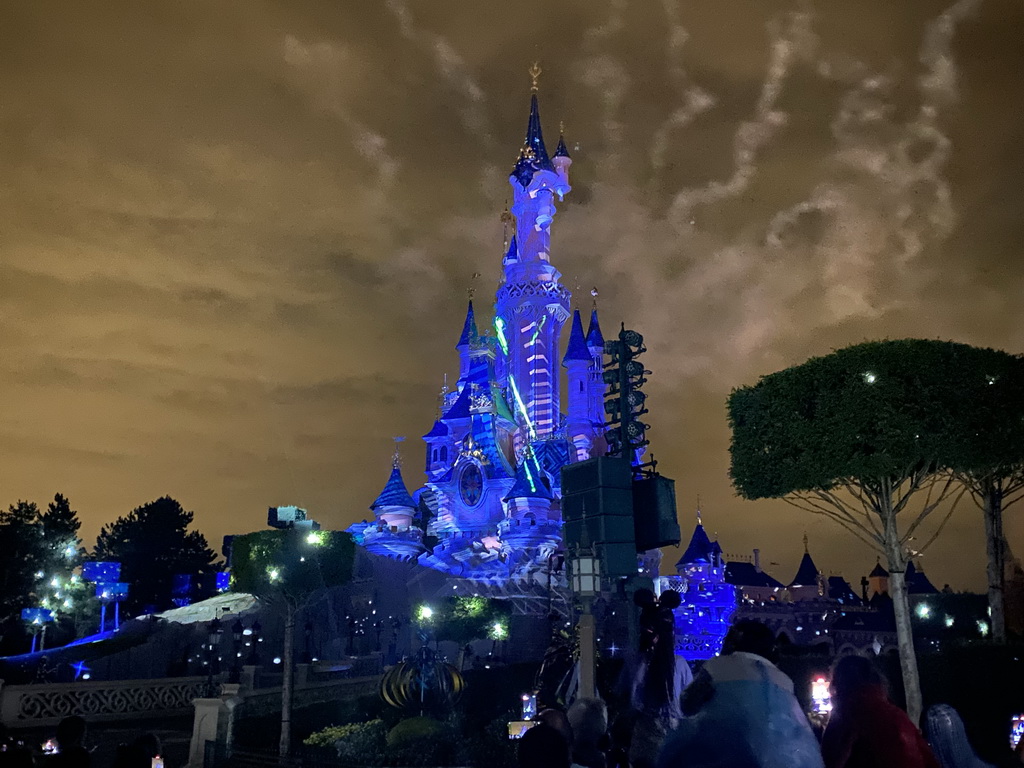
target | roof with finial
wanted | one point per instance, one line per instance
(440, 429)
(469, 331)
(807, 573)
(878, 570)
(512, 254)
(533, 156)
(917, 582)
(701, 549)
(577, 347)
(395, 494)
(531, 483)
(594, 336)
(561, 150)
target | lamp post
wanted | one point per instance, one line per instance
(213, 631)
(586, 583)
(237, 633)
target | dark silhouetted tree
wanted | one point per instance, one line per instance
(153, 543)
(22, 552)
(872, 437)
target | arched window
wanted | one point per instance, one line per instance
(581, 386)
(444, 453)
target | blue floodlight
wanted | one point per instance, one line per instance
(101, 572)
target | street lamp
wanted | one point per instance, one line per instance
(586, 583)
(213, 631)
(237, 633)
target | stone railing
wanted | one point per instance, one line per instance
(28, 706)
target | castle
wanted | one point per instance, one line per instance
(490, 507)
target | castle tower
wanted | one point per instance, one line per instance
(578, 362)
(395, 533)
(532, 305)
(596, 386)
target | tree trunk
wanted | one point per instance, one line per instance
(901, 608)
(287, 682)
(995, 545)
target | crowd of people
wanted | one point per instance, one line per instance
(68, 750)
(740, 711)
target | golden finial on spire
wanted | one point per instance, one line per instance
(534, 71)
(396, 458)
(561, 127)
(805, 543)
(594, 292)
(472, 285)
(699, 520)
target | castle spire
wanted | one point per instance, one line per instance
(577, 347)
(469, 331)
(595, 339)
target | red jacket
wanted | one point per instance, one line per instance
(869, 731)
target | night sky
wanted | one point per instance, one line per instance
(236, 236)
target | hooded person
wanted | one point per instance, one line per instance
(657, 677)
(865, 729)
(740, 711)
(948, 739)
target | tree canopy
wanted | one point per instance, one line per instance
(290, 564)
(152, 543)
(881, 409)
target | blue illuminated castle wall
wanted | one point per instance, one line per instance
(489, 508)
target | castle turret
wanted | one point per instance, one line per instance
(467, 340)
(532, 305)
(807, 584)
(578, 362)
(562, 161)
(596, 386)
(394, 506)
(395, 532)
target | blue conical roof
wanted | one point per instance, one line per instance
(534, 155)
(594, 335)
(530, 483)
(395, 494)
(469, 332)
(806, 574)
(512, 254)
(577, 348)
(917, 582)
(561, 150)
(700, 550)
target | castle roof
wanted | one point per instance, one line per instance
(577, 347)
(512, 254)
(440, 429)
(744, 574)
(594, 335)
(917, 582)
(878, 570)
(534, 155)
(530, 483)
(395, 494)
(806, 574)
(469, 331)
(840, 589)
(561, 150)
(700, 550)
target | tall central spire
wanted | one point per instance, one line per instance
(532, 304)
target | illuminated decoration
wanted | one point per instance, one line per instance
(115, 592)
(490, 507)
(181, 589)
(101, 572)
(923, 611)
(424, 614)
(949, 620)
(983, 628)
(223, 581)
(37, 619)
(707, 600)
(422, 684)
